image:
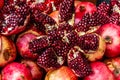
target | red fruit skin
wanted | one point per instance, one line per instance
(114, 65)
(22, 44)
(16, 71)
(33, 67)
(1, 3)
(82, 8)
(100, 72)
(111, 34)
(62, 73)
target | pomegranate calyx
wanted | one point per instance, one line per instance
(108, 40)
(82, 8)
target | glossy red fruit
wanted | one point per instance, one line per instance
(16, 71)
(7, 51)
(1, 3)
(62, 73)
(82, 8)
(114, 65)
(22, 43)
(100, 72)
(111, 35)
(35, 70)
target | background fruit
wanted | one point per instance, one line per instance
(100, 72)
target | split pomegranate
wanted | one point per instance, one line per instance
(23, 41)
(93, 46)
(78, 62)
(15, 18)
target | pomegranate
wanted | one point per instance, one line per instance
(8, 51)
(36, 71)
(22, 43)
(114, 65)
(111, 35)
(82, 8)
(62, 73)
(15, 18)
(100, 72)
(78, 62)
(93, 46)
(16, 71)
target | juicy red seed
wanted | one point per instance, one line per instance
(37, 45)
(48, 59)
(41, 6)
(89, 42)
(48, 20)
(83, 24)
(65, 26)
(78, 63)
(43, 18)
(23, 9)
(46, 8)
(60, 48)
(115, 17)
(103, 8)
(8, 8)
(73, 38)
(99, 18)
(66, 10)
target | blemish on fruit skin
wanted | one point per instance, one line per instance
(6, 54)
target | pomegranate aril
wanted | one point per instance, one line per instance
(39, 44)
(49, 60)
(115, 17)
(89, 42)
(66, 11)
(22, 8)
(61, 48)
(78, 62)
(43, 19)
(45, 8)
(103, 8)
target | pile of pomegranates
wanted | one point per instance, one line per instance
(59, 40)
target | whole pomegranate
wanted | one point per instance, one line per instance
(35, 70)
(111, 35)
(16, 71)
(63, 73)
(100, 72)
(114, 66)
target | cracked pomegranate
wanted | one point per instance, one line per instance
(22, 43)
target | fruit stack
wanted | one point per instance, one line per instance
(59, 40)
